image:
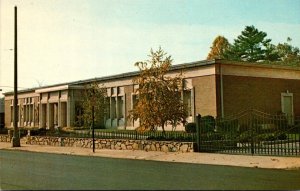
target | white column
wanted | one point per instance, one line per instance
(70, 110)
(124, 111)
(19, 113)
(48, 116)
(111, 111)
(193, 103)
(29, 116)
(124, 106)
(33, 113)
(27, 110)
(68, 113)
(59, 114)
(117, 110)
(131, 101)
(40, 114)
(24, 115)
(131, 107)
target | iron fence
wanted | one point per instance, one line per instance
(250, 132)
(129, 134)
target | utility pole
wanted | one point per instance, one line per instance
(93, 121)
(93, 126)
(16, 135)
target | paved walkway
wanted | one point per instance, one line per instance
(200, 158)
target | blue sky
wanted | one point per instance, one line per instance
(67, 40)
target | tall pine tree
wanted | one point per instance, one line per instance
(251, 46)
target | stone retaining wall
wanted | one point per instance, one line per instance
(5, 138)
(117, 144)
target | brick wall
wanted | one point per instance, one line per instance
(205, 95)
(264, 94)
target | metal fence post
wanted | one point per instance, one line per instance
(198, 121)
(252, 126)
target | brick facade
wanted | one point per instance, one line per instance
(264, 94)
(214, 88)
(205, 95)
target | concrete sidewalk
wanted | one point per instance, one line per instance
(200, 158)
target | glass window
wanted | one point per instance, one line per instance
(113, 108)
(187, 101)
(120, 107)
(108, 107)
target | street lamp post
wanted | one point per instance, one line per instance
(16, 136)
(93, 126)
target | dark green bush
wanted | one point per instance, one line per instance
(3, 131)
(270, 137)
(170, 138)
(281, 136)
(228, 126)
(209, 136)
(245, 137)
(266, 137)
(38, 132)
(157, 138)
(100, 126)
(190, 128)
(208, 123)
(281, 122)
(23, 132)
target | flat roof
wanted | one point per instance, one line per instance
(117, 76)
(293, 66)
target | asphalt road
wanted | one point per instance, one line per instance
(42, 171)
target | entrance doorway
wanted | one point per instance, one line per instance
(287, 106)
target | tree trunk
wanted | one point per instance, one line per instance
(163, 128)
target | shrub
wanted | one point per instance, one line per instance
(281, 136)
(245, 137)
(209, 136)
(38, 132)
(208, 123)
(270, 137)
(228, 126)
(266, 137)
(3, 131)
(190, 128)
(99, 126)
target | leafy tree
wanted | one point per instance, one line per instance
(288, 53)
(159, 100)
(219, 46)
(271, 53)
(94, 96)
(251, 46)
